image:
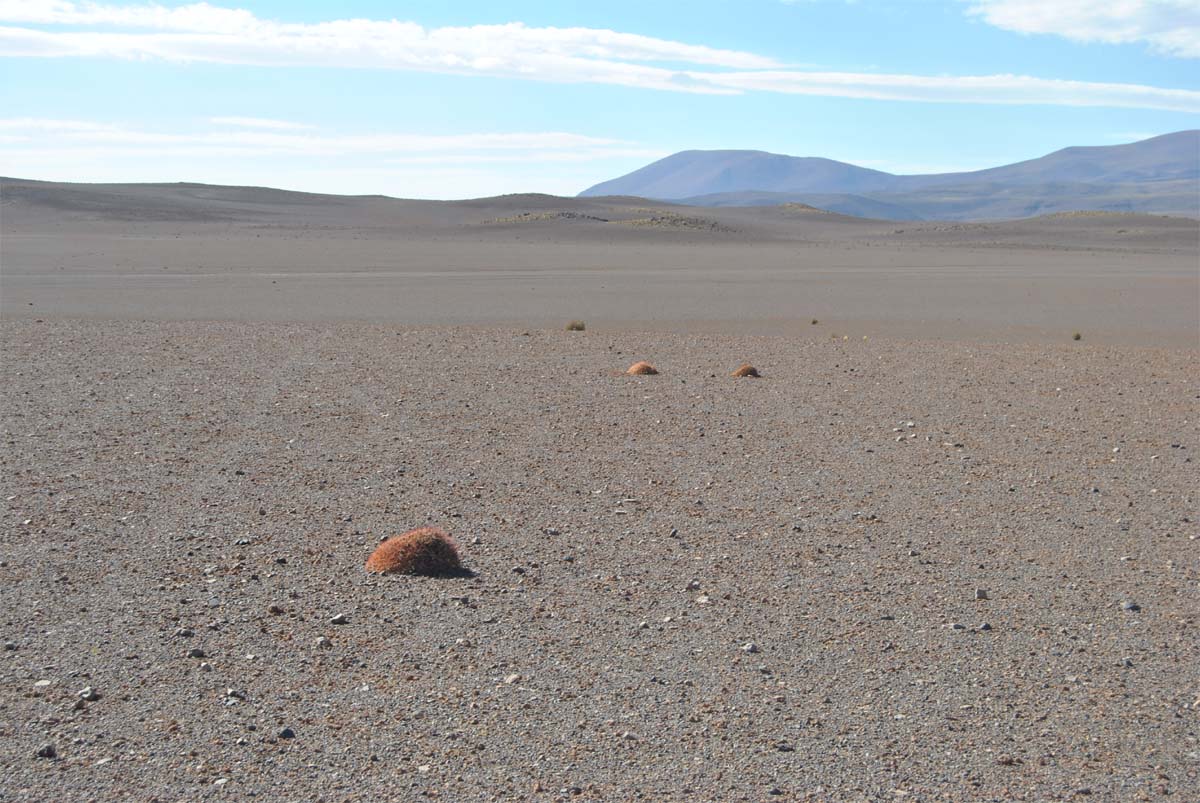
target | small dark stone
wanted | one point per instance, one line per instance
(47, 751)
(287, 733)
(195, 652)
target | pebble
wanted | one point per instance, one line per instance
(287, 733)
(749, 647)
(324, 643)
(47, 751)
(511, 679)
(958, 626)
(184, 632)
(985, 626)
(981, 593)
(338, 619)
(89, 694)
(694, 585)
(205, 666)
(195, 652)
(1130, 606)
(10, 645)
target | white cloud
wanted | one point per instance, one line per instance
(1170, 27)
(49, 134)
(410, 165)
(31, 125)
(996, 89)
(206, 33)
(259, 122)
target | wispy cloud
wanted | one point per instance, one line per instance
(412, 165)
(82, 134)
(994, 89)
(1170, 27)
(259, 122)
(204, 33)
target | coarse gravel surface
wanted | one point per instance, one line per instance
(884, 571)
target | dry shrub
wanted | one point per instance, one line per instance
(746, 370)
(426, 550)
(576, 326)
(641, 368)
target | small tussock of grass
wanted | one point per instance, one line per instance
(426, 550)
(576, 326)
(746, 370)
(1077, 336)
(815, 322)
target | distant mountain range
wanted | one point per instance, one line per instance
(1160, 175)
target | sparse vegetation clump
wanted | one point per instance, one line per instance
(745, 370)
(426, 550)
(1077, 336)
(576, 326)
(815, 322)
(641, 368)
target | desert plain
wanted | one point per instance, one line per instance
(940, 550)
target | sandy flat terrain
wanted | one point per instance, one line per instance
(183, 478)
(955, 560)
(234, 254)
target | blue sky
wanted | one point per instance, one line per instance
(448, 100)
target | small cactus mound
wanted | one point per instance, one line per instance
(576, 326)
(426, 550)
(642, 368)
(746, 370)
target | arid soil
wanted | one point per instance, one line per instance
(940, 550)
(887, 570)
(192, 252)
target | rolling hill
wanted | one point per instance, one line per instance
(1160, 175)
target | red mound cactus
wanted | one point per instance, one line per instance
(746, 370)
(426, 550)
(641, 368)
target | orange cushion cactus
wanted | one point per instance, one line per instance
(426, 550)
(641, 368)
(746, 370)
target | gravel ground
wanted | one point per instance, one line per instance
(884, 571)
